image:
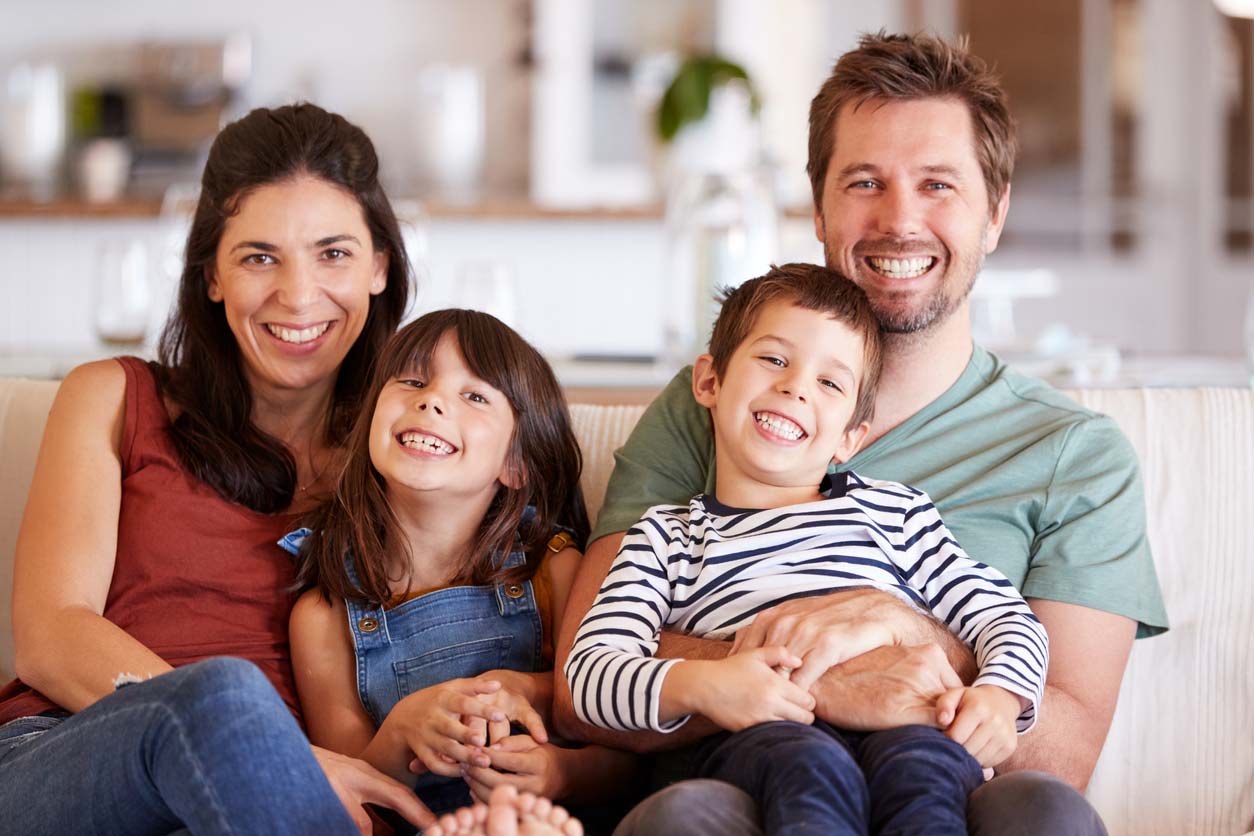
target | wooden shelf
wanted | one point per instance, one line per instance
(506, 208)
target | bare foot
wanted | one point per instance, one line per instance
(508, 813)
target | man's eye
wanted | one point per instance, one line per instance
(863, 184)
(938, 187)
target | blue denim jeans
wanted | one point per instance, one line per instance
(818, 779)
(209, 747)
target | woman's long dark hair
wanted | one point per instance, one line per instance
(358, 521)
(200, 368)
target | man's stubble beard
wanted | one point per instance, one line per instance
(910, 324)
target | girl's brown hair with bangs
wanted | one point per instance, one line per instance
(357, 519)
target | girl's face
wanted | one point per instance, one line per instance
(444, 431)
(295, 270)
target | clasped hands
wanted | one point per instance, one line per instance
(463, 728)
(860, 660)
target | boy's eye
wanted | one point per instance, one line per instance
(774, 361)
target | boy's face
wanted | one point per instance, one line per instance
(781, 410)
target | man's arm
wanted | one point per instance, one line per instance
(1088, 652)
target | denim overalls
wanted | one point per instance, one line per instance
(461, 631)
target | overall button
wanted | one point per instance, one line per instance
(514, 591)
(368, 625)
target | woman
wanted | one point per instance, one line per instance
(147, 550)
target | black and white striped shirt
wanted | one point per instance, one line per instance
(706, 570)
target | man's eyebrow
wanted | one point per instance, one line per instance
(859, 168)
(943, 171)
(934, 170)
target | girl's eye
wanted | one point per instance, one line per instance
(831, 384)
(476, 397)
(412, 382)
(258, 259)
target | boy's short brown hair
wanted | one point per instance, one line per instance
(907, 68)
(813, 288)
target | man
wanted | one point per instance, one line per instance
(911, 153)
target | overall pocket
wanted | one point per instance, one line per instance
(457, 661)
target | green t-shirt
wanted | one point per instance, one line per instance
(1029, 482)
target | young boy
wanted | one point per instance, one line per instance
(790, 385)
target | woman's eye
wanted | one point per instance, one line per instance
(335, 254)
(258, 259)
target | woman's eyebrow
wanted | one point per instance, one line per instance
(335, 239)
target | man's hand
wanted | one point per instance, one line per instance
(884, 688)
(356, 783)
(982, 719)
(827, 630)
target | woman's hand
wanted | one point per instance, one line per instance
(356, 783)
(519, 761)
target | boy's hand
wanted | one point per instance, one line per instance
(747, 689)
(981, 718)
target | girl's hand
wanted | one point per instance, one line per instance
(521, 762)
(431, 722)
(513, 707)
(982, 719)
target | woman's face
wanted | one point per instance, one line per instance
(295, 270)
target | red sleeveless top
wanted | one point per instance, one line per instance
(196, 576)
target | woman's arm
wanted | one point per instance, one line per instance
(67, 548)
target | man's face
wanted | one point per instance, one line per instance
(906, 214)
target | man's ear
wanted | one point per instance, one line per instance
(850, 442)
(705, 381)
(211, 285)
(819, 231)
(997, 221)
(379, 281)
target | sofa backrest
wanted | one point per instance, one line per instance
(1180, 755)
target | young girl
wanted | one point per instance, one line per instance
(439, 570)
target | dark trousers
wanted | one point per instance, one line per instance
(819, 779)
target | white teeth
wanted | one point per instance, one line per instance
(304, 335)
(779, 426)
(422, 441)
(902, 268)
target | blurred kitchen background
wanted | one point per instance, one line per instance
(522, 144)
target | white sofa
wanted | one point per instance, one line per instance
(1180, 756)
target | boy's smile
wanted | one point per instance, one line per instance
(782, 409)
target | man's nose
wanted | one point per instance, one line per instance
(900, 213)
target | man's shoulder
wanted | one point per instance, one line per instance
(1032, 404)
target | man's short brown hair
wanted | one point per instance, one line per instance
(908, 67)
(813, 288)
